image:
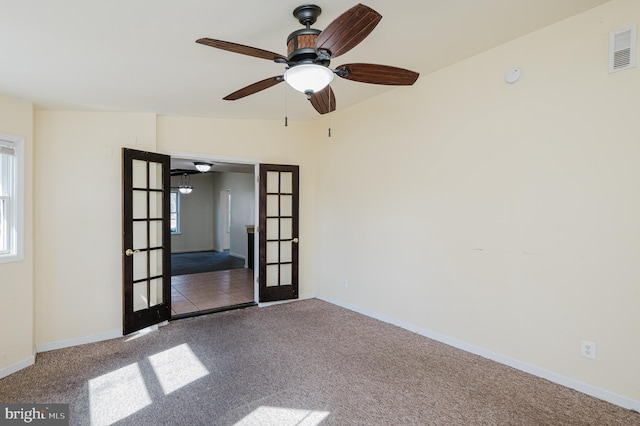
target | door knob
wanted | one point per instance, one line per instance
(130, 252)
(295, 240)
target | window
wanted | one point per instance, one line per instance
(11, 198)
(175, 211)
(6, 186)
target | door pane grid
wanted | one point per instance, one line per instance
(147, 186)
(154, 211)
(155, 193)
(273, 229)
(279, 228)
(147, 207)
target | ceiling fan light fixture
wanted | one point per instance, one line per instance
(203, 167)
(310, 51)
(308, 77)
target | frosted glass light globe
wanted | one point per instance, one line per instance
(308, 77)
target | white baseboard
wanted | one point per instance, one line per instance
(280, 302)
(18, 366)
(585, 388)
(240, 256)
(60, 344)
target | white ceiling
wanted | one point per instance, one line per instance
(141, 55)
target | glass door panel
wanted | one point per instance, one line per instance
(139, 174)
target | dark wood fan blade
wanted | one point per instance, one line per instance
(254, 88)
(377, 74)
(324, 101)
(349, 29)
(241, 48)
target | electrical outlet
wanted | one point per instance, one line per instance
(345, 283)
(588, 349)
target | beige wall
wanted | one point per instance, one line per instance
(503, 217)
(16, 278)
(196, 215)
(78, 218)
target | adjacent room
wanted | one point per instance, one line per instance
(212, 223)
(451, 214)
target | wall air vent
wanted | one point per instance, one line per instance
(622, 49)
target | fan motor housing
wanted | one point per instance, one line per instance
(301, 45)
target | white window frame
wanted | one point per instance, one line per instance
(15, 214)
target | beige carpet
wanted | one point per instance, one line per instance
(302, 363)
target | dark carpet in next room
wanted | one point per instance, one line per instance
(203, 261)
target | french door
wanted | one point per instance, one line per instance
(278, 232)
(146, 239)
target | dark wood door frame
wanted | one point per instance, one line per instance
(154, 313)
(275, 282)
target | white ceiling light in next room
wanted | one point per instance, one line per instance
(202, 166)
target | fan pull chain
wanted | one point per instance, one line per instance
(286, 104)
(329, 132)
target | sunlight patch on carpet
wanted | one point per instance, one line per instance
(280, 416)
(177, 367)
(116, 395)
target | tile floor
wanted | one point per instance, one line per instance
(211, 290)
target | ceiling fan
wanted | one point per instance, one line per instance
(309, 52)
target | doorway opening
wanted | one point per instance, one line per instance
(212, 236)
